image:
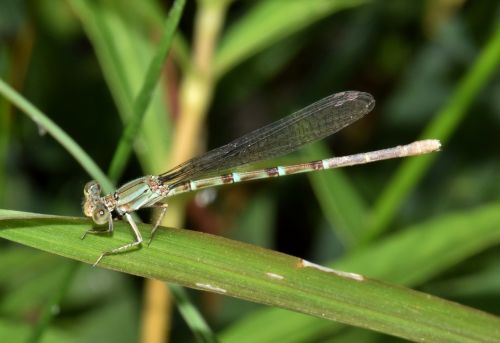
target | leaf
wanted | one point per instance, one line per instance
(216, 264)
(342, 205)
(409, 258)
(15, 332)
(141, 103)
(124, 52)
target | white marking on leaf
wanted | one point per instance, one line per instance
(211, 287)
(275, 276)
(354, 276)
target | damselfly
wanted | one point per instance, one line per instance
(213, 168)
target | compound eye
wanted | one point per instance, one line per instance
(100, 215)
(92, 188)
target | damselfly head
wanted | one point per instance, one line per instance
(92, 188)
(100, 215)
(93, 205)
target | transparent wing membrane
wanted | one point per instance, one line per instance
(307, 125)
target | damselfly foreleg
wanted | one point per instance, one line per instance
(99, 232)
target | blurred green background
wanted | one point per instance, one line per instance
(82, 62)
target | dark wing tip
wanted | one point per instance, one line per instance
(366, 99)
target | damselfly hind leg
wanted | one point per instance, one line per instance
(163, 211)
(136, 243)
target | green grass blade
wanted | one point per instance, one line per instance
(42, 325)
(268, 326)
(23, 295)
(99, 33)
(429, 247)
(142, 101)
(237, 269)
(124, 51)
(268, 22)
(20, 332)
(191, 315)
(4, 145)
(447, 120)
(400, 259)
(341, 203)
(59, 135)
